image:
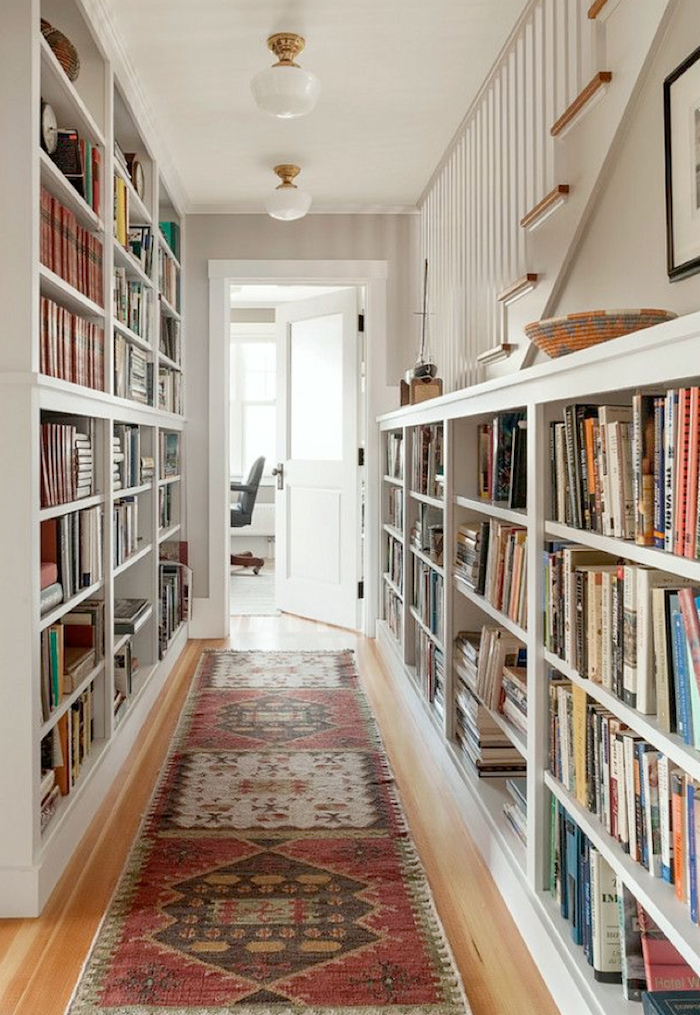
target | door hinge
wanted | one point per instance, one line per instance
(360, 456)
(361, 323)
(360, 590)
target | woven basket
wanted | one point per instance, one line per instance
(558, 336)
(63, 49)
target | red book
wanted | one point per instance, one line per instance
(49, 574)
(691, 623)
(681, 491)
(691, 505)
(665, 967)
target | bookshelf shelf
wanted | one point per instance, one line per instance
(393, 480)
(517, 739)
(53, 180)
(168, 309)
(63, 96)
(166, 534)
(394, 588)
(32, 860)
(53, 286)
(169, 479)
(423, 498)
(438, 568)
(393, 531)
(166, 361)
(69, 604)
(120, 642)
(492, 612)
(74, 505)
(168, 249)
(425, 629)
(492, 509)
(684, 567)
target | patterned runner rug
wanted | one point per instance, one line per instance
(274, 871)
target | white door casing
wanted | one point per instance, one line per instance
(317, 518)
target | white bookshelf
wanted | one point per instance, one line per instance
(31, 861)
(653, 360)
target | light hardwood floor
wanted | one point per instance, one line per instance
(40, 960)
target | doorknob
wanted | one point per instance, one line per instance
(279, 472)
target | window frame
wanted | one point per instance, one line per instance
(240, 334)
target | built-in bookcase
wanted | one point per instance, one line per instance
(504, 565)
(87, 518)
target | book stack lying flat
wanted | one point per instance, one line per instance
(66, 463)
(117, 463)
(483, 744)
(128, 614)
(515, 809)
(631, 471)
(502, 459)
(148, 468)
(51, 590)
(74, 544)
(132, 371)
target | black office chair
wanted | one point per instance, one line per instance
(242, 513)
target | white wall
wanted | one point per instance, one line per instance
(391, 238)
(622, 258)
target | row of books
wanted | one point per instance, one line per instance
(70, 650)
(175, 591)
(620, 941)
(631, 471)
(168, 279)
(170, 232)
(137, 238)
(169, 390)
(427, 467)
(502, 459)
(515, 808)
(73, 543)
(630, 628)
(126, 665)
(394, 455)
(70, 347)
(69, 743)
(133, 468)
(165, 506)
(394, 507)
(169, 453)
(133, 303)
(484, 746)
(427, 532)
(81, 163)
(69, 250)
(493, 665)
(393, 612)
(126, 529)
(491, 559)
(430, 670)
(170, 338)
(394, 561)
(132, 371)
(67, 467)
(428, 597)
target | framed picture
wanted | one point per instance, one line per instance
(682, 138)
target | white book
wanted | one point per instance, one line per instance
(605, 922)
(650, 774)
(622, 811)
(663, 768)
(606, 632)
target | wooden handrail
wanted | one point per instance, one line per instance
(559, 194)
(603, 77)
(521, 285)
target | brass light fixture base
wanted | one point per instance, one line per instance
(287, 174)
(286, 46)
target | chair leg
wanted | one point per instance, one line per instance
(246, 559)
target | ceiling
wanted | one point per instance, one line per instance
(397, 77)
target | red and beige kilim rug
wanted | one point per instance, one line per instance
(274, 871)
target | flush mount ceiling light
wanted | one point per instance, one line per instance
(285, 90)
(287, 202)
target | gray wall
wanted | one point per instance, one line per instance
(391, 238)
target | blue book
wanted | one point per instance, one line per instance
(573, 886)
(692, 861)
(671, 1002)
(587, 916)
(680, 672)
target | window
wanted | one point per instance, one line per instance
(253, 400)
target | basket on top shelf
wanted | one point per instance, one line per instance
(63, 49)
(558, 336)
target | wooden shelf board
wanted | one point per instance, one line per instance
(486, 606)
(62, 94)
(670, 744)
(394, 588)
(56, 288)
(53, 180)
(516, 737)
(427, 560)
(68, 699)
(425, 629)
(124, 259)
(135, 339)
(423, 498)
(69, 604)
(656, 895)
(682, 566)
(133, 559)
(75, 505)
(554, 200)
(582, 103)
(139, 214)
(492, 509)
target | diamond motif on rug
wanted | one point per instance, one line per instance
(273, 790)
(276, 670)
(267, 917)
(275, 719)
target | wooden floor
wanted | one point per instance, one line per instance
(40, 960)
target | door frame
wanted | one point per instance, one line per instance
(372, 275)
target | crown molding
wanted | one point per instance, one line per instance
(245, 208)
(103, 26)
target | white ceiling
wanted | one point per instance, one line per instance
(397, 77)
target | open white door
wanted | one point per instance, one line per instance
(317, 503)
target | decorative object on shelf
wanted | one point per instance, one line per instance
(63, 49)
(287, 202)
(135, 170)
(49, 128)
(285, 90)
(421, 381)
(682, 144)
(558, 336)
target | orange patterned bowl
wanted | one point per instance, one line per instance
(558, 336)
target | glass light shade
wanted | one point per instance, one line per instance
(285, 91)
(288, 203)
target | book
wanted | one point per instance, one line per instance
(127, 613)
(671, 1002)
(664, 967)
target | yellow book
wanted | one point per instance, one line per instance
(579, 731)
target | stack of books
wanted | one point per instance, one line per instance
(66, 463)
(73, 543)
(132, 371)
(129, 614)
(515, 809)
(394, 455)
(70, 650)
(169, 390)
(502, 459)
(126, 537)
(483, 744)
(71, 347)
(81, 163)
(148, 468)
(472, 554)
(69, 250)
